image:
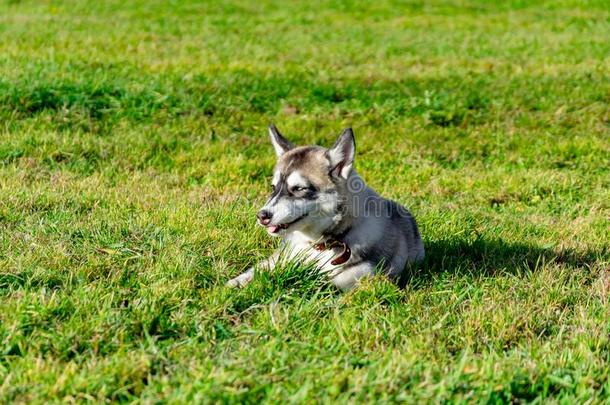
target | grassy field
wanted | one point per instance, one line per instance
(134, 155)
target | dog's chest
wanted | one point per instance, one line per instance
(302, 248)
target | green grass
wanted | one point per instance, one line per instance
(134, 154)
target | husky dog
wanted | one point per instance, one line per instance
(325, 213)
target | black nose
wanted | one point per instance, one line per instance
(264, 217)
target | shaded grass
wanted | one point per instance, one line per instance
(450, 100)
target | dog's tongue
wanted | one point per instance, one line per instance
(273, 228)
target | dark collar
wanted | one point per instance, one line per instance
(333, 241)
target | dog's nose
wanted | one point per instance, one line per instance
(264, 217)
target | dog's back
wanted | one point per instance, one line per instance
(386, 235)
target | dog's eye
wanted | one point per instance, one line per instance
(299, 189)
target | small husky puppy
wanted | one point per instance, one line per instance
(325, 213)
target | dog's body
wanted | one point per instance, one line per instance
(326, 214)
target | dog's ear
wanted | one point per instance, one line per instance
(280, 144)
(341, 155)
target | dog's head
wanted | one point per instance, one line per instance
(309, 185)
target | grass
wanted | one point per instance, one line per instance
(133, 156)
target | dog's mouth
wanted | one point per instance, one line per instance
(274, 229)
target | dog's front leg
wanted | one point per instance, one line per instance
(245, 277)
(347, 278)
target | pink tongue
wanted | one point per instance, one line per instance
(273, 228)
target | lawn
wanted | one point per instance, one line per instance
(134, 155)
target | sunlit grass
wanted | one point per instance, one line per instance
(134, 154)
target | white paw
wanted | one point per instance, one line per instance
(241, 280)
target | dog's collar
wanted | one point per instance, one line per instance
(334, 241)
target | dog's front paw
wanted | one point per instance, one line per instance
(241, 280)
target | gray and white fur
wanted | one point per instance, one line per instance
(317, 196)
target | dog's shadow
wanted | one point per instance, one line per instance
(490, 257)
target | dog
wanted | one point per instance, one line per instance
(325, 213)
